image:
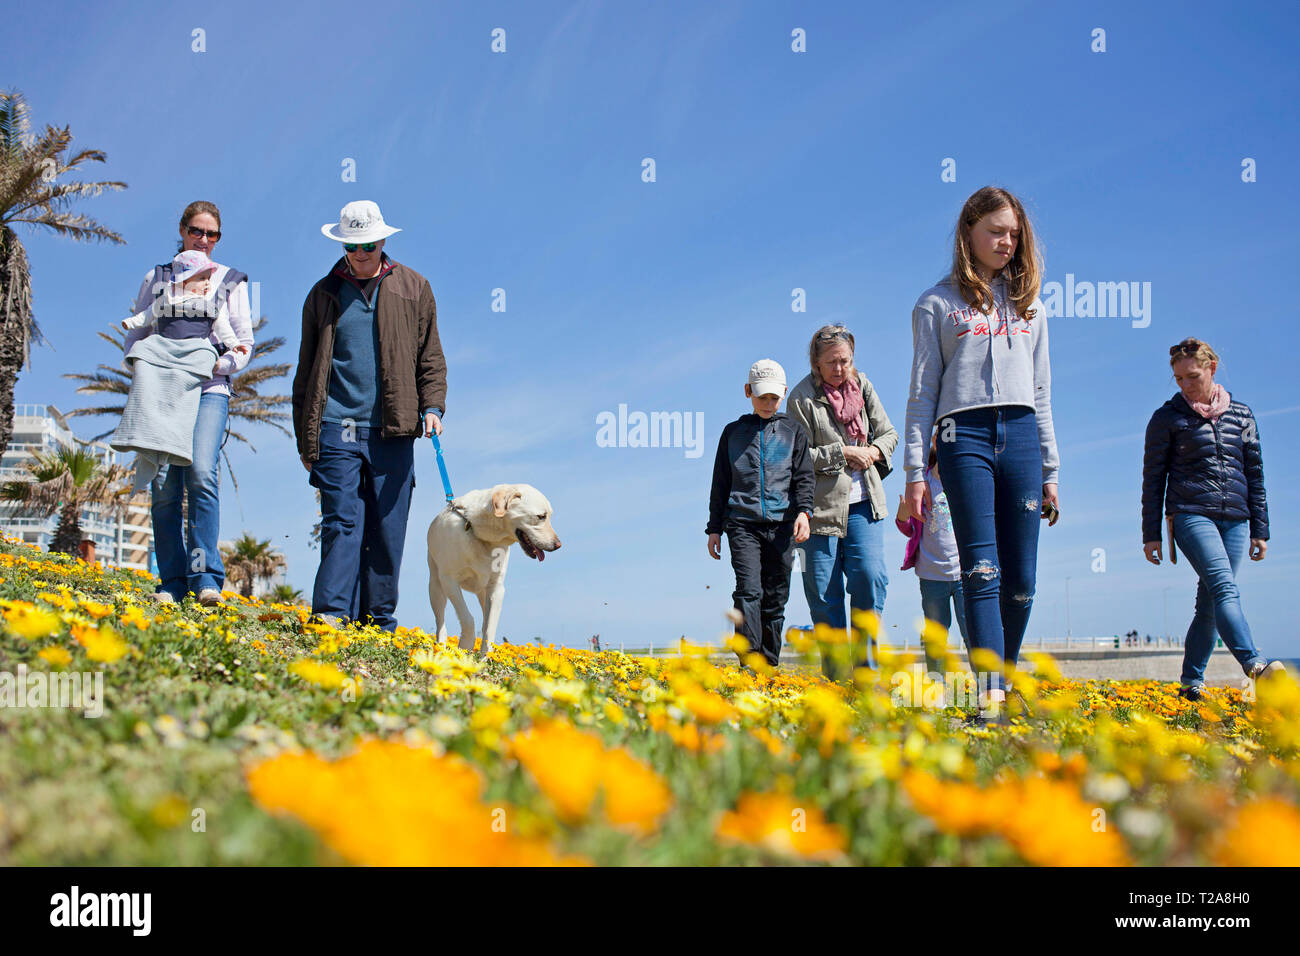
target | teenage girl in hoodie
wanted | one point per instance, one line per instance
(980, 370)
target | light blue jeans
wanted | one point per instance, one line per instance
(938, 601)
(188, 558)
(1214, 548)
(859, 558)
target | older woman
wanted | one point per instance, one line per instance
(188, 557)
(1204, 445)
(851, 441)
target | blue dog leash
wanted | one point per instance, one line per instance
(442, 467)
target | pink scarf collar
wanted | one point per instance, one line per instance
(846, 403)
(1216, 406)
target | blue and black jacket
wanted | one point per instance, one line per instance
(762, 472)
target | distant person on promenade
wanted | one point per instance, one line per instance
(980, 369)
(851, 440)
(1203, 460)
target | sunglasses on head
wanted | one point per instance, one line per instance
(197, 233)
(364, 247)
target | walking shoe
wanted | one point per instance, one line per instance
(333, 620)
(1192, 693)
(209, 597)
(162, 597)
(1267, 669)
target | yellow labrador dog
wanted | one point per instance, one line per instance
(469, 547)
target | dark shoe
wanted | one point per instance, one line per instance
(1192, 693)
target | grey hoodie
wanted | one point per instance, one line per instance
(964, 359)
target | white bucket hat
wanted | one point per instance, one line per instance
(359, 221)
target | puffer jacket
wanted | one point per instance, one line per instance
(762, 472)
(1212, 468)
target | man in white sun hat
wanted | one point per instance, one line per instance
(371, 378)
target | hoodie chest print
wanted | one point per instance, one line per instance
(1002, 321)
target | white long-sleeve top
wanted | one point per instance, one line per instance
(234, 308)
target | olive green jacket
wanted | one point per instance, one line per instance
(809, 406)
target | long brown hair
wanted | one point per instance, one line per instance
(196, 208)
(1023, 274)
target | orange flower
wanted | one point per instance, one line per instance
(1264, 832)
(780, 823)
(572, 767)
(388, 804)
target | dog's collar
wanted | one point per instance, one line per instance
(464, 517)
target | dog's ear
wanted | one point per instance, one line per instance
(502, 495)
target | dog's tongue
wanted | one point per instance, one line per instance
(541, 555)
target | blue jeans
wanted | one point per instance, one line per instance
(858, 557)
(938, 600)
(365, 483)
(1214, 549)
(993, 475)
(188, 558)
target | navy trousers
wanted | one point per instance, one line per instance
(365, 483)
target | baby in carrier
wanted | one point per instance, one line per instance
(186, 306)
(168, 369)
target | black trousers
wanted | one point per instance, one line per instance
(761, 555)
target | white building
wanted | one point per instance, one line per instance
(126, 542)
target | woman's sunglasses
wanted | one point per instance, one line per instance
(366, 247)
(197, 233)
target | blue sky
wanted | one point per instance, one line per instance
(775, 170)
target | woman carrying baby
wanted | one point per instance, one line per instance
(188, 557)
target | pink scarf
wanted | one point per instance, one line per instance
(1217, 405)
(846, 402)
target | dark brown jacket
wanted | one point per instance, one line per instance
(412, 370)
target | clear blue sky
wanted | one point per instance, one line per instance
(775, 170)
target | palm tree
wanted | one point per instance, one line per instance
(248, 561)
(247, 404)
(67, 480)
(285, 594)
(31, 192)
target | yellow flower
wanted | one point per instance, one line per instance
(389, 804)
(57, 657)
(783, 824)
(27, 620)
(135, 617)
(315, 672)
(101, 645)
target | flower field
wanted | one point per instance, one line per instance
(247, 735)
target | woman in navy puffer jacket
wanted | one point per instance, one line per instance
(1205, 446)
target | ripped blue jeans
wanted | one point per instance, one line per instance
(993, 475)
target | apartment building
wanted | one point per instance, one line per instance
(126, 541)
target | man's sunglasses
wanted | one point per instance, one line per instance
(353, 247)
(197, 233)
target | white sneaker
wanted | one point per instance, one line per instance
(162, 597)
(209, 597)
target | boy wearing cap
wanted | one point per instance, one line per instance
(762, 499)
